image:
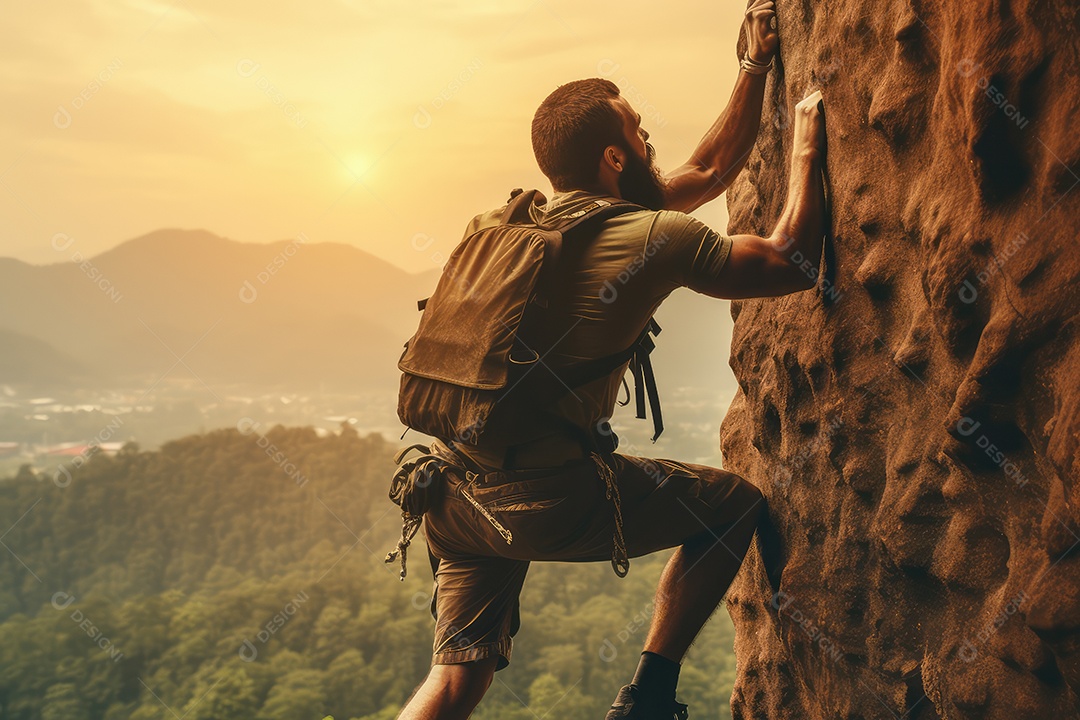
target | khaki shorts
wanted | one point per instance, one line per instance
(559, 513)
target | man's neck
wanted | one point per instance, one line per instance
(592, 190)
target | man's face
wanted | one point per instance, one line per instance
(641, 181)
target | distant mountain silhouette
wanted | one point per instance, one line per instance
(287, 314)
(320, 316)
(30, 361)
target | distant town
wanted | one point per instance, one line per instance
(48, 431)
(64, 428)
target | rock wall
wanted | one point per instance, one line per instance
(913, 421)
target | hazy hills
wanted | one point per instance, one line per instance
(286, 315)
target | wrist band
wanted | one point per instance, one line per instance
(754, 68)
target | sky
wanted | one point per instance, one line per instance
(383, 124)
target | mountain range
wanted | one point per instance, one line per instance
(288, 315)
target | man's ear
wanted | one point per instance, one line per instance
(614, 157)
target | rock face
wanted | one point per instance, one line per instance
(913, 421)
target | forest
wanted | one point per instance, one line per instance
(235, 574)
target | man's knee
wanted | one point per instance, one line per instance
(741, 511)
(464, 684)
(742, 500)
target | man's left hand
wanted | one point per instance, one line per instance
(762, 39)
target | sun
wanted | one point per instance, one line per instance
(357, 166)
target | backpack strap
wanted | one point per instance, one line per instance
(589, 370)
(517, 207)
(575, 225)
(595, 211)
(520, 201)
(517, 213)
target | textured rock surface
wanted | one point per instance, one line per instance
(914, 425)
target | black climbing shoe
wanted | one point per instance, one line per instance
(629, 705)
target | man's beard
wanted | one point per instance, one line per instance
(642, 182)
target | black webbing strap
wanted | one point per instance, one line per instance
(645, 380)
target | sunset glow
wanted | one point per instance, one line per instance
(356, 122)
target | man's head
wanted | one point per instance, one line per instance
(586, 136)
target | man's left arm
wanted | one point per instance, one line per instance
(722, 153)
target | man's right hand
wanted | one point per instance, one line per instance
(788, 260)
(809, 128)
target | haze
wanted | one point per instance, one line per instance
(380, 124)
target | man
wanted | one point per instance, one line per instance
(559, 504)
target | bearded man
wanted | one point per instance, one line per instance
(548, 492)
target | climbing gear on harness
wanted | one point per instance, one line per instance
(620, 562)
(470, 478)
(415, 487)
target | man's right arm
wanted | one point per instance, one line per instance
(787, 261)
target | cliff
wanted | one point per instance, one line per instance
(913, 420)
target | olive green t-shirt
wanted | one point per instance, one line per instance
(610, 288)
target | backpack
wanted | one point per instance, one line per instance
(474, 371)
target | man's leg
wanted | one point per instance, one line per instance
(475, 605)
(697, 576)
(450, 692)
(679, 497)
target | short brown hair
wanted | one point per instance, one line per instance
(572, 127)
